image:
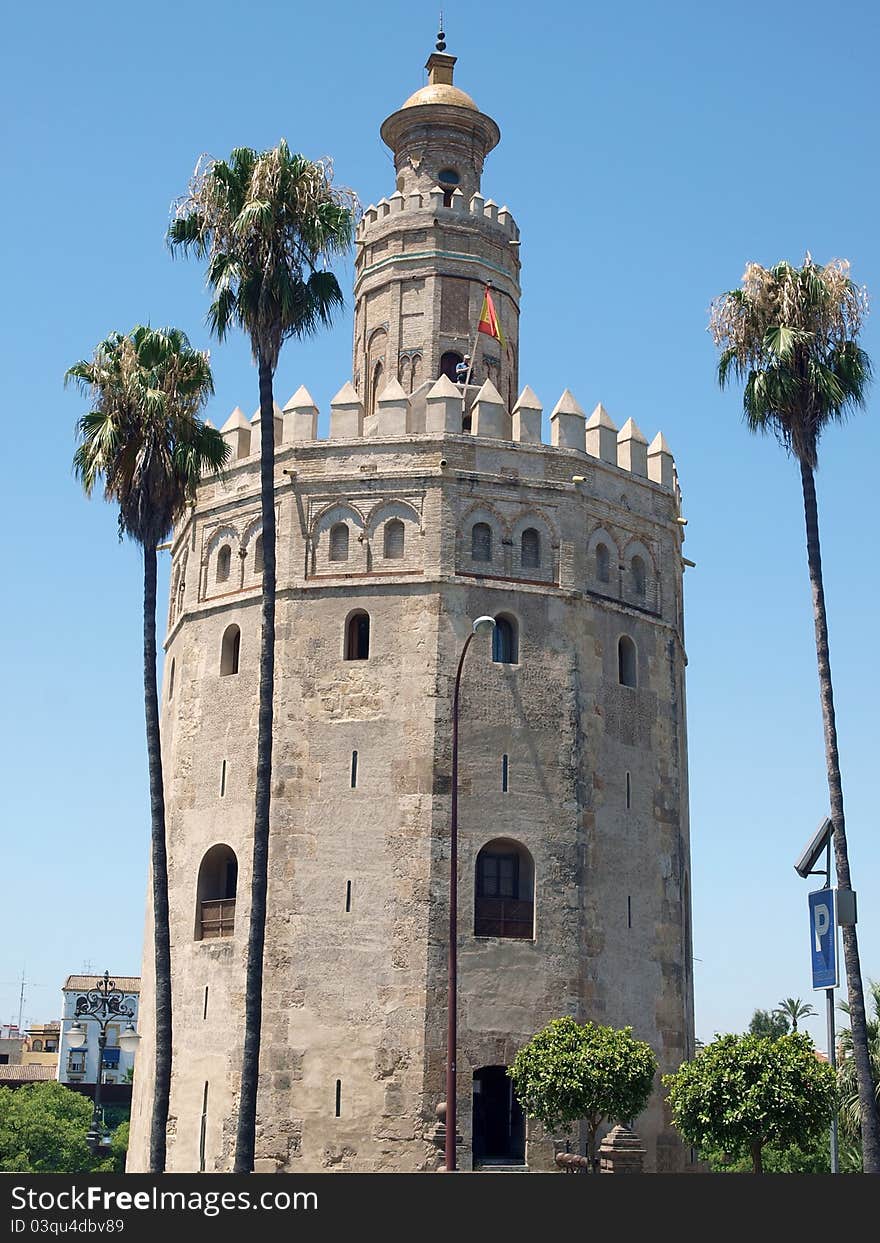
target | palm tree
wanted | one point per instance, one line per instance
(847, 1084)
(266, 222)
(791, 335)
(143, 439)
(792, 1009)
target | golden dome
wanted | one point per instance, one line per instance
(440, 93)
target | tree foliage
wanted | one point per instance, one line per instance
(847, 1084)
(267, 222)
(790, 334)
(143, 438)
(741, 1093)
(43, 1129)
(793, 1010)
(571, 1072)
(769, 1024)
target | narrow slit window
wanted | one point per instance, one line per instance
(504, 773)
(354, 769)
(628, 791)
(171, 682)
(629, 911)
(348, 897)
(338, 1098)
(205, 1006)
(223, 779)
(203, 1127)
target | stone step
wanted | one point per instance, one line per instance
(501, 1169)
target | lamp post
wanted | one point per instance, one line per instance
(103, 1003)
(483, 625)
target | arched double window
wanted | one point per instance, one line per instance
(230, 650)
(357, 636)
(504, 891)
(530, 549)
(627, 661)
(339, 542)
(224, 563)
(215, 894)
(603, 563)
(505, 640)
(395, 536)
(481, 542)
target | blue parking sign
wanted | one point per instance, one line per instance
(823, 938)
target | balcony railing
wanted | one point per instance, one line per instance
(504, 917)
(217, 918)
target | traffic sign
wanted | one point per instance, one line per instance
(823, 938)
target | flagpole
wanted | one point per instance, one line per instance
(473, 353)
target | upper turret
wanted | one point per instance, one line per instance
(426, 254)
(439, 136)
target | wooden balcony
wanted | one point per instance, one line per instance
(504, 917)
(217, 918)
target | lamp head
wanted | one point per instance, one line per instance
(484, 625)
(77, 1034)
(129, 1039)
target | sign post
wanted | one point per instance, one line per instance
(826, 969)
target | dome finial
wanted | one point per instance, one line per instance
(441, 37)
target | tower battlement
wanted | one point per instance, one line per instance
(434, 202)
(439, 409)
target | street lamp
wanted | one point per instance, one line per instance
(483, 625)
(103, 1003)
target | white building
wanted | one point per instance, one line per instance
(78, 1059)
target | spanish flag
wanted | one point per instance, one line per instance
(489, 320)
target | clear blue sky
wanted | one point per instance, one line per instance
(648, 151)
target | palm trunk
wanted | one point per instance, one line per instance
(867, 1099)
(161, 927)
(253, 1002)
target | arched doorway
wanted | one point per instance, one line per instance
(499, 1134)
(448, 362)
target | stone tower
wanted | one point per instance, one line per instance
(426, 507)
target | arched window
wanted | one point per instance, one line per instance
(505, 640)
(171, 681)
(357, 636)
(626, 661)
(224, 563)
(638, 576)
(481, 542)
(215, 894)
(376, 386)
(258, 555)
(339, 542)
(504, 891)
(230, 650)
(448, 179)
(448, 362)
(603, 563)
(395, 534)
(37, 1046)
(530, 549)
